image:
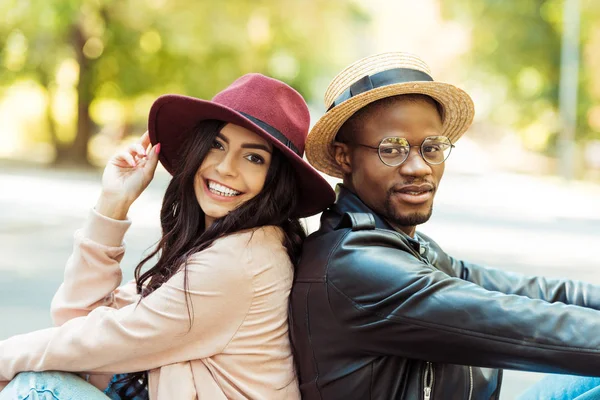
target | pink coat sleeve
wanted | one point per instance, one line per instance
(93, 272)
(153, 332)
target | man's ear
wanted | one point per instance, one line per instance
(341, 153)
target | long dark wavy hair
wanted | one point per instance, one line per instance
(184, 233)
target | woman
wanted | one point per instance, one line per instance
(209, 319)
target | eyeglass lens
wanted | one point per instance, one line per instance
(394, 151)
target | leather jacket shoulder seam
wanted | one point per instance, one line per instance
(333, 249)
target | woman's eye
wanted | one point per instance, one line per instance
(254, 158)
(217, 145)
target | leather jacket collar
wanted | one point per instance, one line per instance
(348, 202)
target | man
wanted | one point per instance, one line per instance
(379, 311)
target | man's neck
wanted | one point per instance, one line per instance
(408, 230)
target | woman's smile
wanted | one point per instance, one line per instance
(220, 192)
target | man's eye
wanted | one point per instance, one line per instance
(432, 148)
(392, 151)
(255, 159)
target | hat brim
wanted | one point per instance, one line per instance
(458, 113)
(172, 118)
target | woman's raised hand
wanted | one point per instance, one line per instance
(125, 177)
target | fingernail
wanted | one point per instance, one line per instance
(157, 148)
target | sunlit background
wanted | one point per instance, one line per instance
(77, 79)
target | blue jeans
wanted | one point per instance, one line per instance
(53, 385)
(563, 387)
(66, 386)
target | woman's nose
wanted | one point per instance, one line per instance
(227, 166)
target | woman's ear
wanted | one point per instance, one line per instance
(341, 153)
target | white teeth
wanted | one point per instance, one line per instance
(221, 190)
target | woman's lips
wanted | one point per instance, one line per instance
(218, 197)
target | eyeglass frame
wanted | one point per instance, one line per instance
(408, 153)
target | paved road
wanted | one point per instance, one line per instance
(535, 226)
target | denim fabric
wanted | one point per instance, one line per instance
(563, 387)
(50, 386)
(54, 385)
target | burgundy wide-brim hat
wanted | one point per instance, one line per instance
(263, 105)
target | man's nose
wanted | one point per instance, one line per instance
(415, 165)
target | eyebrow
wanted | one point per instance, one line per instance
(256, 146)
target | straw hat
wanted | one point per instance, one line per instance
(374, 78)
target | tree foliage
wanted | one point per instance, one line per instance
(517, 44)
(130, 51)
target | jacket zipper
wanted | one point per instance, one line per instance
(428, 381)
(470, 382)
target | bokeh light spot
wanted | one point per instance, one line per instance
(93, 48)
(150, 42)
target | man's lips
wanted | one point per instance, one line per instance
(426, 187)
(414, 194)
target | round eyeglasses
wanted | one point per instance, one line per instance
(393, 151)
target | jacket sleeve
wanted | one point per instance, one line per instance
(157, 331)
(392, 303)
(93, 271)
(547, 289)
(497, 280)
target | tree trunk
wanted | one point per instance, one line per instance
(59, 147)
(77, 152)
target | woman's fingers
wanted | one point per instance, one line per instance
(125, 157)
(137, 150)
(136, 154)
(145, 143)
(145, 140)
(152, 160)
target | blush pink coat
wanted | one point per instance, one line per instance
(237, 347)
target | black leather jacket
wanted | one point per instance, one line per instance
(376, 314)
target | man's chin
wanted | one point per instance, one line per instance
(401, 214)
(411, 219)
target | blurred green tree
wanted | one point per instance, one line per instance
(127, 50)
(515, 51)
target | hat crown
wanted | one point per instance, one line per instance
(369, 66)
(272, 102)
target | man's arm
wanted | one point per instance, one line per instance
(548, 289)
(493, 279)
(393, 303)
